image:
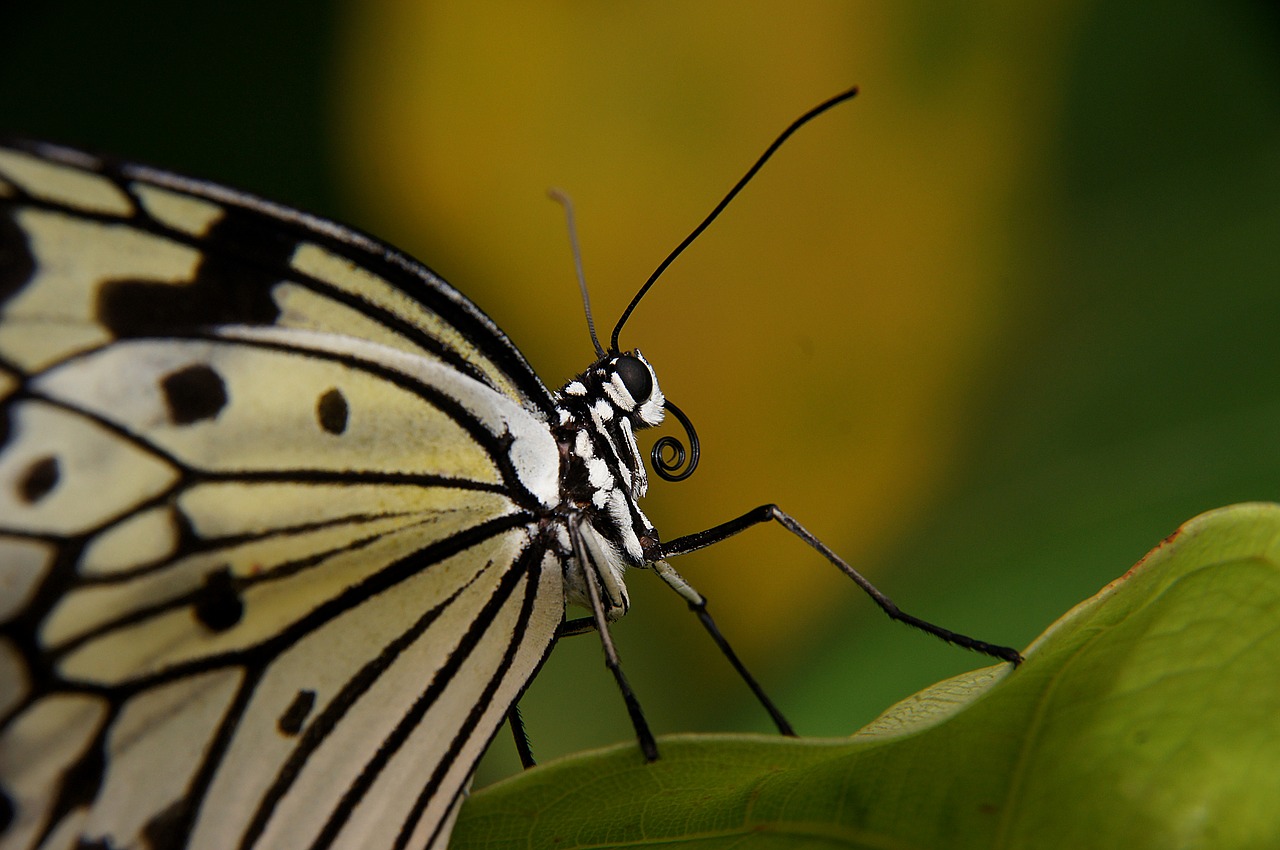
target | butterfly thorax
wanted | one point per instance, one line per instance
(602, 470)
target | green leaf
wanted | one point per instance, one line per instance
(1147, 716)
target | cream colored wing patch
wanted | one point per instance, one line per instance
(272, 568)
(153, 250)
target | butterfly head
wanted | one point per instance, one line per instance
(626, 384)
(632, 386)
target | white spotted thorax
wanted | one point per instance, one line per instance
(602, 470)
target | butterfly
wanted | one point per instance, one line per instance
(287, 524)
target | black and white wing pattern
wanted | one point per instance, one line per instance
(286, 523)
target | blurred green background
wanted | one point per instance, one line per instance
(992, 330)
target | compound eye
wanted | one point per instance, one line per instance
(635, 376)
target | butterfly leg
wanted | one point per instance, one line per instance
(698, 605)
(523, 747)
(568, 628)
(772, 513)
(592, 582)
(576, 626)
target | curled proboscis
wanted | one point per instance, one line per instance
(669, 454)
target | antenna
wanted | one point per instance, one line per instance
(737, 187)
(563, 199)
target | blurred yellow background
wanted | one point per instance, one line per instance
(825, 335)
(991, 330)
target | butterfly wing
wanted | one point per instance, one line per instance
(269, 570)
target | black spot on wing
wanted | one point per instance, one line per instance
(183, 530)
(7, 810)
(332, 411)
(295, 716)
(17, 264)
(245, 255)
(193, 393)
(81, 783)
(97, 844)
(218, 605)
(39, 479)
(167, 829)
